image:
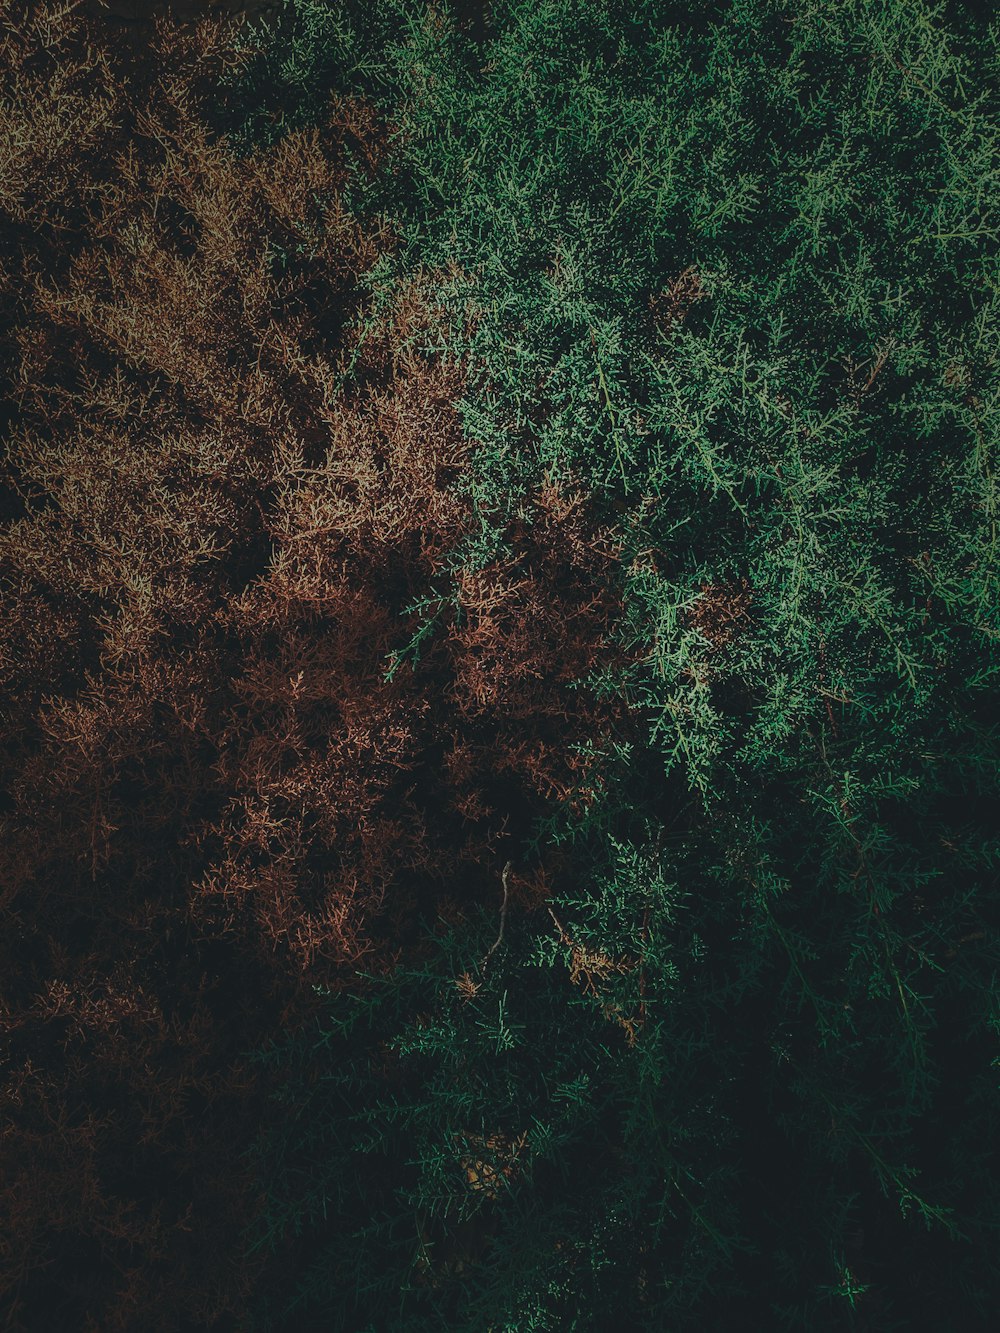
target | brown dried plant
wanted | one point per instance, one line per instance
(670, 307)
(720, 612)
(222, 491)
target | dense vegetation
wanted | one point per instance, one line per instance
(499, 681)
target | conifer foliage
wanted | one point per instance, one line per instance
(498, 667)
(224, 486)
(732, 267)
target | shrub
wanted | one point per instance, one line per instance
(227, 480)
(731, 270)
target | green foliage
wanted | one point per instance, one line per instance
(734, 271)
(504, 1136)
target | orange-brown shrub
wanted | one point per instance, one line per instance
(221, 493)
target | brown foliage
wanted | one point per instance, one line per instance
(222, 491)
(720, 612)
(670, 307)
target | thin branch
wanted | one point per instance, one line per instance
(503, 917)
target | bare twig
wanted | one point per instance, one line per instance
(503, 917)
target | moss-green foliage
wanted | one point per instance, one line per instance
(734, 269)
